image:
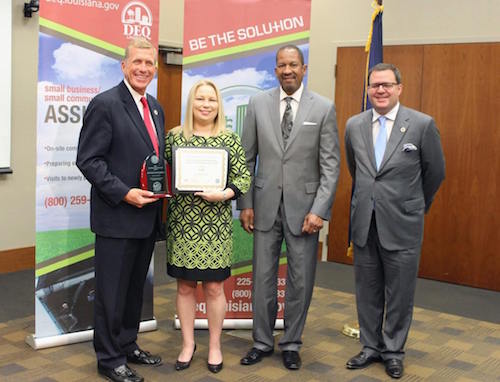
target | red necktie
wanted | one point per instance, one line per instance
(149, 125)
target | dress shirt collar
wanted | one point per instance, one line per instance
(137, 97)
(391, 115)
(296, 96)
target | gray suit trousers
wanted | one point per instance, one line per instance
(384, 279)
(302, 259)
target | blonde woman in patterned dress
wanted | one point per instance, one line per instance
(199, 225)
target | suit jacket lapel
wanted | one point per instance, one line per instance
(132, 111)
(399, 129)
(305, 105)
(367, 132)
(158, 125)
(274, 112)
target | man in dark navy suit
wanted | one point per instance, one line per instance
(121, 127)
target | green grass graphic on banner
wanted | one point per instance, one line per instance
(50, 244)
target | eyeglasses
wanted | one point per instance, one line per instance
(385, 85)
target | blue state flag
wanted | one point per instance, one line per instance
(373, 48)
(374, 56)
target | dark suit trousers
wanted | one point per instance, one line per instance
(301, 258)
(121, 266)
(384, 279)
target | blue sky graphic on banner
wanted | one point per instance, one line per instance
(69, 77)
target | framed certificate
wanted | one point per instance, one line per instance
(199, 168)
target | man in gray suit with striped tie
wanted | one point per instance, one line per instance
(292, 134)
(396, 161)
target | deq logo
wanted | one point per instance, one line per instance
(137, 20)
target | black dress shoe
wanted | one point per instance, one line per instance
(361, 360)
(143, 358)
(121, 373)
(214, 368)
(255, 355)
(179, 365)
(394, 368)
(291, 359)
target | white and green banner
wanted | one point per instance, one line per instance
(234, 43)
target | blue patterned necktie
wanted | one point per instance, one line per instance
(381, 141)
(287, 121)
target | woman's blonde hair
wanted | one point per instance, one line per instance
(220, 119)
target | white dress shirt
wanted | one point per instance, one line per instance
(389, 122)
(137, 99)
(295, 101)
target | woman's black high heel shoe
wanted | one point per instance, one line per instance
(215, 368)
(179, 365)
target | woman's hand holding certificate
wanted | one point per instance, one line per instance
(216, 196)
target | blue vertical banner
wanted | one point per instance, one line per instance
(373, 48)
(374, 55)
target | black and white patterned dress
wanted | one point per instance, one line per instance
(199, 233)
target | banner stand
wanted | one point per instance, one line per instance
(82, 336)
(236, 49)
(80, 46)
(229, 323)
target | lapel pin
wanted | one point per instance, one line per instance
(155, 112)
(403, 129)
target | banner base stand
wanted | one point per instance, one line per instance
(73, 338)
(229, 323)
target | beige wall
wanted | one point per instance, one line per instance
(171, 23)
(334, 23)
(17, 190)
(346, 23)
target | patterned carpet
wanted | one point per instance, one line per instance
(441, 347)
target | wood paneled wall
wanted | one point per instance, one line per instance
(18, 259)
(169, 92)
(459, 85)
(169, 96)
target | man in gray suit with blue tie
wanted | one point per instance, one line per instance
(395, 158)
(292, 134)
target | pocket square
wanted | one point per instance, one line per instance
(307, 123)
(409, 147)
